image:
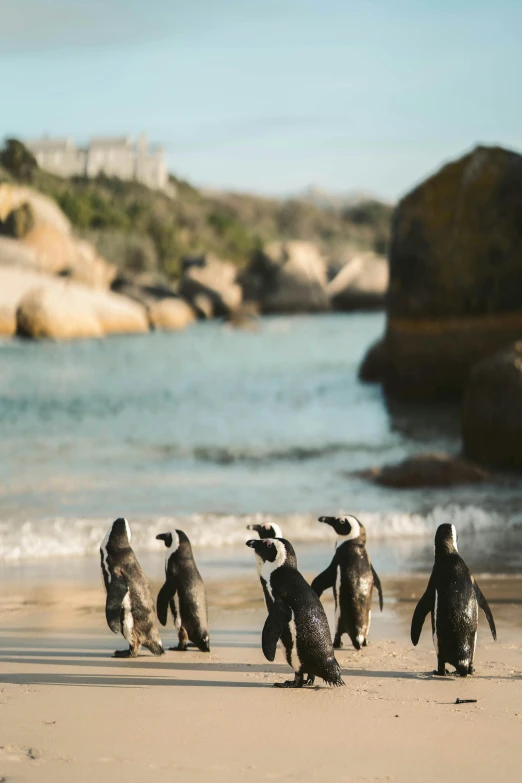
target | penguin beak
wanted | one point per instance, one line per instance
(251, 527)
(166, 537)
(252, 543)
(327, 520)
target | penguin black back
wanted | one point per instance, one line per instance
(352, 578)
(129, 607)
(453, 598)
(183, 592)
(296, 617)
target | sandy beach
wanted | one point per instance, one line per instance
(70, 712)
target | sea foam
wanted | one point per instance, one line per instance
(61, 536)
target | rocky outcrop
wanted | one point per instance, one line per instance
(38, 305)
(361, 284)
(455, 293)
(62, 310)
(17, 254)
(210, 280)
(492, 410)
(54, 250)
(426, 470)
(15, 283)
(374, 366)
(287, 277)
(18, 223)
(170, 314)
(44, 210)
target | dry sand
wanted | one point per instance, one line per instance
(68, 712)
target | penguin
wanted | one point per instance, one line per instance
(266, 530)
(296, 617)
(184, 592)
(129, 608)
(353, 578)
(453, 598)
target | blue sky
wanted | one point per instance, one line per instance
(270, 95)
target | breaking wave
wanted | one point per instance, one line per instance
(61, 537)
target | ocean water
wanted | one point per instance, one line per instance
(215, 427)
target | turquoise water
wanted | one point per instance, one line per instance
(205, 427)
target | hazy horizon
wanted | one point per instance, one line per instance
(269, 97)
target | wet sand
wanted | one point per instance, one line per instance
(68, 711)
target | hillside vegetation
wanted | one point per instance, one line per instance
(145, 231)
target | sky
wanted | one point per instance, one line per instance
(270, 96)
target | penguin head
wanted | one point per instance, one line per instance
(348, 528)
(266, 530)
(278, 551)
(174, 540)
(446, 540)
(118, 536)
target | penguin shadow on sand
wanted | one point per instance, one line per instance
(120, 681)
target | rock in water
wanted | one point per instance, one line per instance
(214, 281)
(426, 470)
(170, 314)
(287, 277)
(455, 293)
(61, 310)
(492, 410)
(361, 284)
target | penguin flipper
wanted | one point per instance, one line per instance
(377, 584)
(485, 608)
(165, 596)
(325, 580)
(116, 592)
(276, 622)
(423, 608)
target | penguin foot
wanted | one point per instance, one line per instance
(155, 649)
(366, 643)
(179, 648)
(337, 645)
(439, 673)
(125, 654)
(298, 682)
(471, 669)
(310, 681)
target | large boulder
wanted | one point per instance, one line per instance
(361, 284)
(15, 283)
(170, 314)
(455, 293)
(59, 309)
(17, 254)
(426, 470)
(288, 277)
(54, 249)
(86, 266)
(211, 280)
(492, 410)
(18, 223)
(43, 209)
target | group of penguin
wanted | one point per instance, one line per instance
(295, 612)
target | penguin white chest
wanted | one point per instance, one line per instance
(338, 594)
(295, 663)
(128, 620)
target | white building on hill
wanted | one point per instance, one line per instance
(113, 156)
